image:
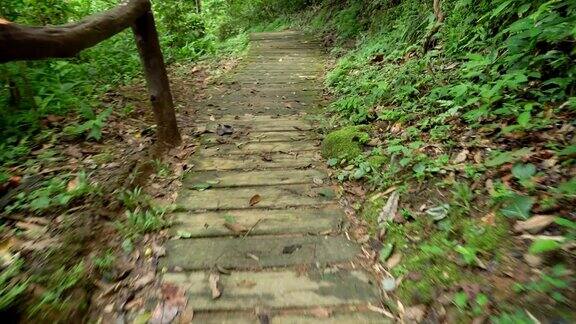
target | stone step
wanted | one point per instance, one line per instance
(270, 197)
(260, 221)
(282, 136)
(276, 290)
(256, 124)
(250, 148)
(271, 110)
(228, 179)
(302, 159)
(257, 252)
(307, 317)
(261, 95)
(284, 108)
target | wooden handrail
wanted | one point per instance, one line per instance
(18, 42)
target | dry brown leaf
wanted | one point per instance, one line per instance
(534, 224)
(143, 281)
(461, 156)
(390, 209)
(394, 260)
(321, 312)
(236, 228)
(255, 200)
(415, 314)
(214, 283)
(73, 184)
(246, 283)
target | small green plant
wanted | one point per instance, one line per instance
(104, 261)
(462, 195)
(131, 199)
(476, 306)
(58, 191)
(10, 289)
(91, 128)
(162, 169)
(553, 283)
(140, 222)
(58, 284)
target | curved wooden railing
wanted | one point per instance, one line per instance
(18, 42)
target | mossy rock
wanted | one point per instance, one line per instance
(345, 143)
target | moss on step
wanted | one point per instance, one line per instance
(345, 143)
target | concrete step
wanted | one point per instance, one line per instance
(304, 159)
(258, 252)
(307, 220)
(282, 136)
(228, 179)
(276, 290)
(307, 317)
(276, 197)
(251, 148)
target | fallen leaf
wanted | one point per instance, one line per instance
(532, 260)
(321, 312)
(390, 209)
(186, 316)
(174, 301)
(291, 248)
(246, 283)
(415, 314)
(164, 313)
(236, 228)
(439, 212)
(266, 157)
(214, 283)
(252, 256)
(222, 130)
(255, 200)
(143, 281)
(181, 234)
(461, 156)
(394, 260)
(73, 184)
(534, 224)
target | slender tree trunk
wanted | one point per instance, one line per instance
(151, 55)
(199, 6)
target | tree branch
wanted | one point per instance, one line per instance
(18, 42)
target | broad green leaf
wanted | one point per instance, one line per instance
(439, 212)
(524, 119)
(333, 162)
(518, 206)
(543, 245)
(386, 251)
(461, 299)
(183, 234)
(467, 253)
(201, 186)
(565, 223)
(524, 171)
(500, 158)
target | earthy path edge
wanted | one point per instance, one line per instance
(257, 213)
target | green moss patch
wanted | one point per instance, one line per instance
(345, 143)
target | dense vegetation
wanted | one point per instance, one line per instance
(463, 111)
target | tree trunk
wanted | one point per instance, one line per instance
(199, 6)
(146, 36)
